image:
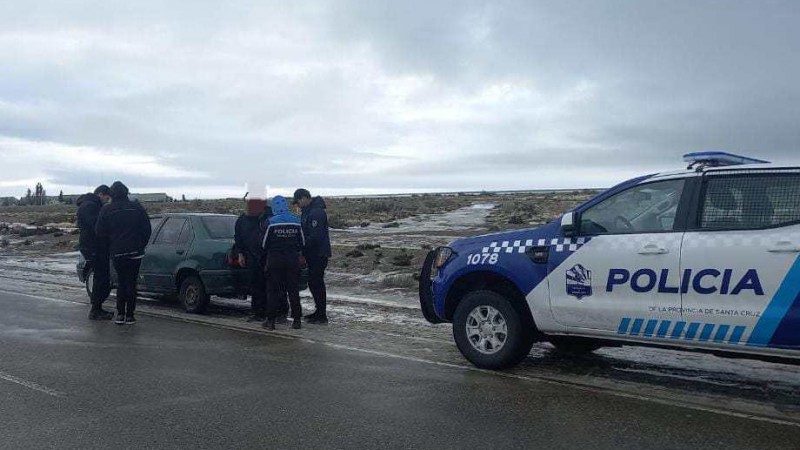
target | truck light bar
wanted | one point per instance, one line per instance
(718, 159)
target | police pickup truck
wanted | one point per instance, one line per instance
(704, 259)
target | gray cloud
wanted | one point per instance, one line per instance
(345, 96)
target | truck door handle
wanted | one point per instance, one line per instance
(784, 247)
(653, 249)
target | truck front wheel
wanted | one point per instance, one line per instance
(490, 332)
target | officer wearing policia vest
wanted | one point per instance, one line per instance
(283, 244)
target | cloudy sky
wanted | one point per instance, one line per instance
(200, 97)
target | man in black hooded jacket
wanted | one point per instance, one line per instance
(126, 225)
(249, 231)
(94, 250)
(317, 250)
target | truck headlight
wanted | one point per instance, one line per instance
(443, 255)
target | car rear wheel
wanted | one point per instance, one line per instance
(193, 295)
(490, 332)
(574, 345)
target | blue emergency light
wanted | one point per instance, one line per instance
(719, 159)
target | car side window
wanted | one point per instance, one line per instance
(645, 208)
(170, 231)
(187, 234)
(750, 202)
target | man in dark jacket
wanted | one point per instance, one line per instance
(94, 250)
(126, 225)
(249, 230)
(317, 250)
(283, 243)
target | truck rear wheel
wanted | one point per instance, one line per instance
(193, 295)
(490, 332)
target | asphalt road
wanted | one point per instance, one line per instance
(66, 382)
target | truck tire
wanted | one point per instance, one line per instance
(575, 346)
(193, 295)
(490, 332)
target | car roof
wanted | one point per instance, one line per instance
(191, 214)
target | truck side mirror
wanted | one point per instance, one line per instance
(569, 223)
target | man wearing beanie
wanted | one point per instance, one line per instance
(126, 225)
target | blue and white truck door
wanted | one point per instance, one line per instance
(740, 272)
(621, 281)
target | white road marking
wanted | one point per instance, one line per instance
(40, 297)
(529, 378)
(31, 385)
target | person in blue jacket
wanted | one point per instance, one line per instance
(283, 244)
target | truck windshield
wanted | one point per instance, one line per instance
(221, 227)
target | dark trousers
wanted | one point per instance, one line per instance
(316, 282)
(258, 286)
(284, 280)
(101, 281)
(127, 274)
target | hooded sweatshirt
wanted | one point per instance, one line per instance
(89, 206)
(284, 234)
(315, 227)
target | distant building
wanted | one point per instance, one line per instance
(9, 201)
(151, 198)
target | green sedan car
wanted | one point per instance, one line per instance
(188, 255)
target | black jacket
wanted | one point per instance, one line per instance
(91, 247)
(249, 233)
(127, 227)
(315, 227)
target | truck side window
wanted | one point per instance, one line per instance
(645, 208)
(750, 202)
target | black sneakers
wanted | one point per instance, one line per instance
(317, 320)
(100, 315)
(119, 319)
(297, 324)
(269, 324)
(130, 319)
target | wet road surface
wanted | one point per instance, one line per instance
(66, 382)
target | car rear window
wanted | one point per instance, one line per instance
(222, 227)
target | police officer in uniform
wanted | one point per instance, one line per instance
(95, 250)
(317, 250)
(283, 243)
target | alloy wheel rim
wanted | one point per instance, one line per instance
(191, 295)
(487, 330)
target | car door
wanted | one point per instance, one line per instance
(162, 256)
(741, 261)
(155, 227)
(620, 273)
